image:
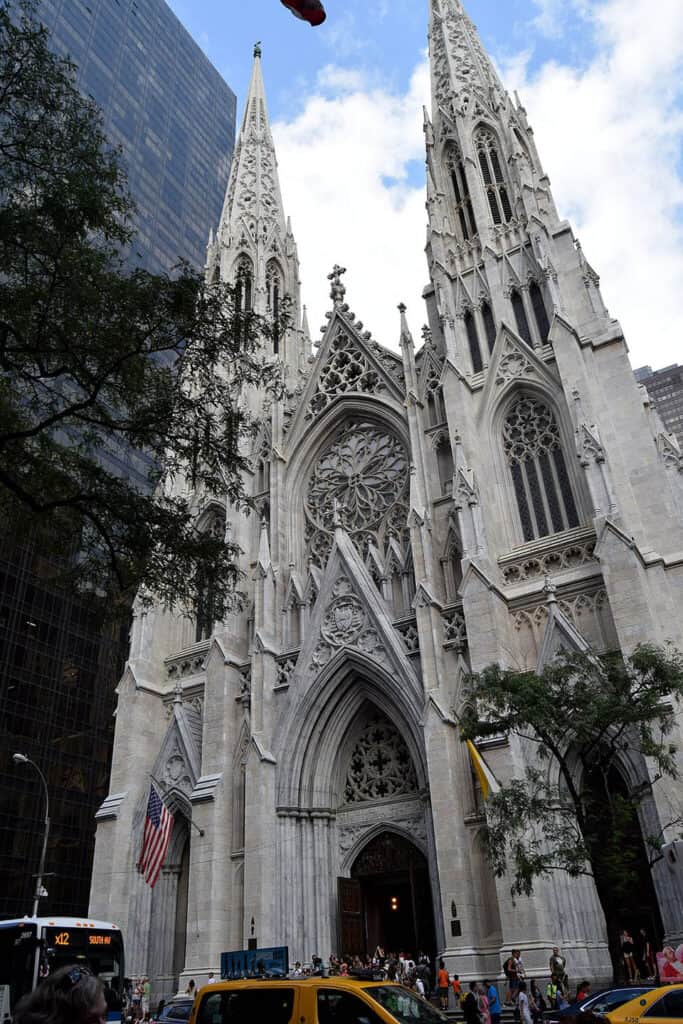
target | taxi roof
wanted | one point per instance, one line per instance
(636, 1005)
(309, 982)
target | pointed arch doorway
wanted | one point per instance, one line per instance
(387, 901)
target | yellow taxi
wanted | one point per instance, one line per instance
(311, 1001)
(659, 1006)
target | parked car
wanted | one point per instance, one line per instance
(598, 1002)
(176, 1009)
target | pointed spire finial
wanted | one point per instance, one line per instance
(257, 49)
(406, 337)
(178, 693)
(337, 291)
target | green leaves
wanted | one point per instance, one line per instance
(100, 365)
(588, 723)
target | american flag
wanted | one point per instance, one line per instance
(158, 825)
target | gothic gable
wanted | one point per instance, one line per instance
(561, 636)
(349, 363)
(513, 362)
(350, 615)
(178, 764)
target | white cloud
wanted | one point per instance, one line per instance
(610, 134)
(344, 174)
(611, 137)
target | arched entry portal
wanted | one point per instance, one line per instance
(387, 901)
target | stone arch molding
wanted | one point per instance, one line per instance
(320, 721)
(353, 839)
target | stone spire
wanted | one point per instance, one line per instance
(483, 167)
(255, 236)
(461, 68)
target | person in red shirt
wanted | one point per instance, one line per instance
(442, 985)
(457, 989)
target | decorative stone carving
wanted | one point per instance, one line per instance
(454, 629)
(589, 612)
(409, 635)
(380, 765)
(285, 669)
(513, 365)
(345, 617)
(347, 369)
(589, 447)
(365, 470)
(569, 557)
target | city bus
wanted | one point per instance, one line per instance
(33, 947)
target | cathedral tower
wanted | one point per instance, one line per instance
(500, 494)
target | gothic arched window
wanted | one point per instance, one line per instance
(489, 325)
(521, 320)
(461, 192)
(274, 296)
(206, 586)
(444, 461)
(473, 342)
(533, 448)
(540, 312)
(492, 172)
(244, 283)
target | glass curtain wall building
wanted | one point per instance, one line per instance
(173, 116)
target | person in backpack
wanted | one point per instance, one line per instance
(470, 1006)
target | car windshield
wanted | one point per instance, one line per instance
(403, 1005)
(177, 1011)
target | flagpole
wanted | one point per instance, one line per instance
(161, 797)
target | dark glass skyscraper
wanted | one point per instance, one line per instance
(173, 116)
(166, 106)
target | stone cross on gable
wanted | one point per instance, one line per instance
(337, 291)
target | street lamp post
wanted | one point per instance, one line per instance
(23, 759)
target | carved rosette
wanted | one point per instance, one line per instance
(365, 472)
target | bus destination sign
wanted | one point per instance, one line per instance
(77, 938)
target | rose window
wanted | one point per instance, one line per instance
(380, 765)
(363, 475)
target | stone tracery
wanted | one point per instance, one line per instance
(364, 471)
(380, 764)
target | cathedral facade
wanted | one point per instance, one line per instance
(498, 493)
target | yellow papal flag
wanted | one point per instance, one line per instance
(487, 780)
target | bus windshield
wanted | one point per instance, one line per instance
(18, 945)
(100, 950)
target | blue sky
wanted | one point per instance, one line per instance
(601, 79)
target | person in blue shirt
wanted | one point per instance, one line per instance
(494, 1001)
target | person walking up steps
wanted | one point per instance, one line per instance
(442, 985)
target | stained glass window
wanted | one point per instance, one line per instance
(489, 325)
(492, 173)
(461, 192)
(533, 447)
(540, 312)
(473, 342)
(523, 328)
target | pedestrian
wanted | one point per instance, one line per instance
(628, 950)
(470, 1009)
(510, 972)
(191, 989)
(537, 1002)
(457, 990)
(583, 991)
(211, 980)
(483, 1004)
(551, 991)
(419, 986)
(523, 1004)
(495, 1009)
(646, 956)
(517, 974)
(442, 986)
(146, 996)
(558, 969)
(72, 995)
